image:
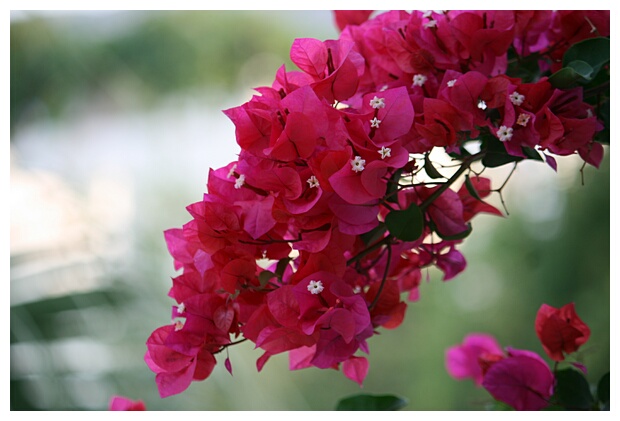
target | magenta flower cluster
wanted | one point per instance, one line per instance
(289, 249)
(520, 378)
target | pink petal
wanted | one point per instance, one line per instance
(356, 369)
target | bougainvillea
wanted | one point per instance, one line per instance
(521, 378)
(316, 236)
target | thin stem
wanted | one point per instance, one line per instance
(385, 273)
(499, 191)
(464, 166)
(230, 344)
(369, 249)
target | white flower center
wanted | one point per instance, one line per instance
(181, 308)
(377, 102)
(385, 152)
(357, 164)
(482, 105)
(178, 325)
(375, 123)
(430, 24)
(451, 83)
(516, 98)
(313, 182)
(240, 181)
(504, 133)
(315, 287)
(419, 80)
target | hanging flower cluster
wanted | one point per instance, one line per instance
(307, 242)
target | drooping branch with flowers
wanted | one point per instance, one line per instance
(316, 236)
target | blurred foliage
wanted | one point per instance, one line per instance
(160, 53)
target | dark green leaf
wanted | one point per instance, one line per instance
(572, 390)
(406, 225)
(281, 266)
(496, 154)
(265, 276)
(564, 78)
(458, 236)
(372, 403)
(583, 69)
(582, 62)
(531, 153)
(603, 114)
(602, 391)
(593, 51)
(430, 169)
(471, 189)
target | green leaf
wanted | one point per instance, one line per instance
(471, 189)
(572, 390)
(281, 266)
(602, 392)
(582, 68)
(582, 62)
(531, 153)
(458, 236)
(496, 154)
(372, 403)
(564, 78)
(593, 51)
(265, 276)
(430, 169)
(406, 225)
(603, 113)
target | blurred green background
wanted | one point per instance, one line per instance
(115, 121)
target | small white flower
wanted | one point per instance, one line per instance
(430, 24)
(178, 325)
(482, 105)
(523, 119)
(375, 123)
(181, 308)
(385, 152)
(419, 80)
(377, 102)
(427, 13)
(451, 83)
(313, 182)
(589, 112)
(516, 98)
(357, 164)
(383, 88)
(504, 133)
(240, 181)
(315, 287)
(232, 171)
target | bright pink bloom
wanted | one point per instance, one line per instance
(472, 205)
(560, 330)
(356, 369)
(463, 361)
(351, 17)
(121, 403)
(522, 380)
